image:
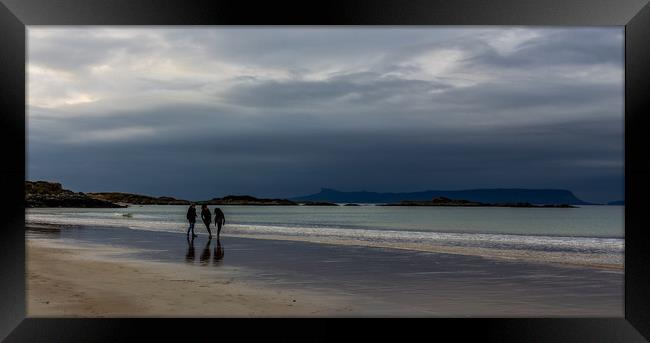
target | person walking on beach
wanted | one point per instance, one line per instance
(207, 218)
(219, 220)
(191, 217)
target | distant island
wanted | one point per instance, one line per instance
(246, 200)
(493, 196)
(442, 201)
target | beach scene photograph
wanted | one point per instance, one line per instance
(226, 171)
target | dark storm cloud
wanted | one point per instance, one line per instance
(392, 160)
(198, 113)
(569, 46)
(361, 88)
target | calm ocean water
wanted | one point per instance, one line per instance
(592, 230)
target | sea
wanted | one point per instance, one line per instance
(586, 235)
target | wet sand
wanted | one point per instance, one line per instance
(72, 281)
(90, 272)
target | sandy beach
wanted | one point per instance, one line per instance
(65, 280)
(113, 272)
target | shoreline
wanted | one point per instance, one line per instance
(572, 259)
(506, 255)
(104, 272)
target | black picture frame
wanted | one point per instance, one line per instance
(633, 14)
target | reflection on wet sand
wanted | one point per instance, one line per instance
(189, 257)
(205, 255)
(42, 231)
(218, 253)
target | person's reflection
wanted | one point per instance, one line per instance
(189, 257)
(218, 252)
(205, 255)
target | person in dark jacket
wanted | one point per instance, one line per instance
(191, 217)
(219, 220)
(207, 218)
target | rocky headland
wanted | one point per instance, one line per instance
(52, 194)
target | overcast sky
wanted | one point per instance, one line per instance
(279, 112)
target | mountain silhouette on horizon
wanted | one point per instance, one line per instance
(494, 195)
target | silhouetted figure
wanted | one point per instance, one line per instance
(205, 255)
(219, 220)
(218, 252)
(191, 217)
(189, 257)
(207, 218)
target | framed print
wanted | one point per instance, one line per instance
(469, 169)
